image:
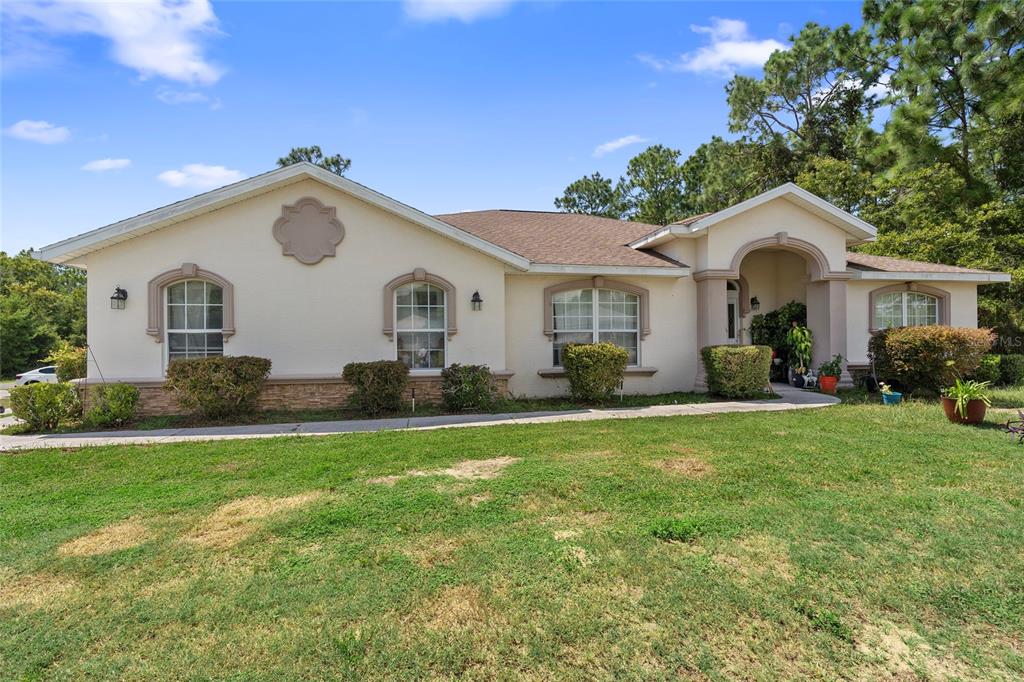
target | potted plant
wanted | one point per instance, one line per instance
(965, 402)
(889, 396)
(800, 341)
(829, 372)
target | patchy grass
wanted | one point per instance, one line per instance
(853, 542)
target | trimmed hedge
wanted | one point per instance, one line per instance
(113, 405)
(1011, 370)
(928, 357)
(218, 386)
(737, 371)
(377, 387)
(44, 406)
(594, 370)
(467, 387)
(69, 360)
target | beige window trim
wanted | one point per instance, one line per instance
(941, 294)
(157, 310)
(419, 275)
(597, 283)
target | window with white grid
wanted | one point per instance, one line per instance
(596, 315)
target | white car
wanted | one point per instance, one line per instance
(40, 375)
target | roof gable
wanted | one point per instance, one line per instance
(72, 249)
(856, 229)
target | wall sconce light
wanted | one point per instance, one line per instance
(118, 299)
(755, 304)
(477, 301)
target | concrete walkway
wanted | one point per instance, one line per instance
(791, 399)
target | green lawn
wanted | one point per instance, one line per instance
(853, 542)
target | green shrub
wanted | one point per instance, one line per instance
(737, 371)
(928, 357)
(988, 370)
(467, 387)
(377, 387)
(112, 405)
(594, 370)
(44, 406)
(771, 328)
(70, 361)
(1011, 370)
(219, 386)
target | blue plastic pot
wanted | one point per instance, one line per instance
(892, 398)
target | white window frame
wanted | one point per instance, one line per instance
(904, 318)
(443, 330)
(732, 297)
(167, 314)
(595, 330)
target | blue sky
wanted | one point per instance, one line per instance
(112, 110)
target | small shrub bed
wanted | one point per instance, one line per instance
(44, 406)
(929, 357)
(69, 360)
(467, 387)
(1011, 370)
(737, 371)
(594, 370)
(377, 387)
(113, 405)
(218, 387)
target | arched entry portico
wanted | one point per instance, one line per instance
(817, 284)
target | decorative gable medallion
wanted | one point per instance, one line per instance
(308, 230)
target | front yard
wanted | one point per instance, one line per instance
(855, 541)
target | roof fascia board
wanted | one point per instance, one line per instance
(621, 270)
(977, 277)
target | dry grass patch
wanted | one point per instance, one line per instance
(901, 654)
(237, 520)
(689, 467)
(432, 550)
(757, 557)
(34, 591)
(112, 538)
(469, 470)
(455, 608)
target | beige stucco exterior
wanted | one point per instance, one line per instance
(311, 291)
(308, 319)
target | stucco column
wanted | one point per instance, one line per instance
(712, 318)
(826, 318)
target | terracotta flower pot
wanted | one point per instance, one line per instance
(827, 383)
(975, 411)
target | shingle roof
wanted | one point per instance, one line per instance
(562, 238)
(867, 261)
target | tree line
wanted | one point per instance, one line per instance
(914, 122)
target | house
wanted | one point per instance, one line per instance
(313, 271)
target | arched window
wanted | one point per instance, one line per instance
(901, 306)
(195, 319)
(595, 315)
(421, 324)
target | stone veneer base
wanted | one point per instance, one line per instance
(281, 393)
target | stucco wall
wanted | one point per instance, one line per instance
(766, 220)
(963, 311)
(775, 278)
(308, 319)
(671, 346)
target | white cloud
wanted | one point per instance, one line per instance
(100, 165)
(176, 97)
(732, 48)
(614, 145)
(153, 37)
(466, 11)
(42, 132)
(200, 176)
